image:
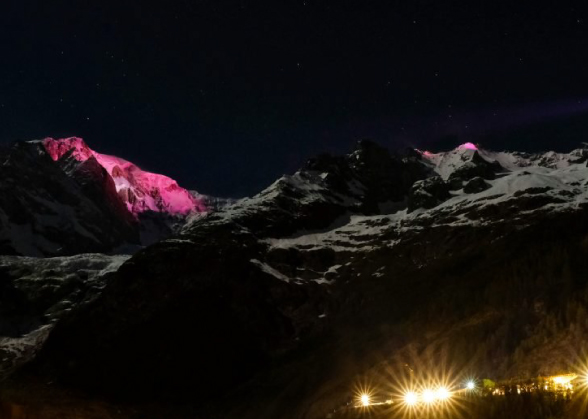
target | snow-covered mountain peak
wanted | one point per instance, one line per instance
(468, 146)
(140, 190)
(446, 163)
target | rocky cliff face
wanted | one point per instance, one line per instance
(66, 208)
(273, 306)
(60, 197)
(35, 293)
(139, 190)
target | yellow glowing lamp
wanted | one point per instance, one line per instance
(443, 393)
(411, 398)
(365, 400)
(563, 380)
(428, 396)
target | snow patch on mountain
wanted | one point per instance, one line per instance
(318, 277)
(32, 269)
(15, 351)
(46, 289)
(269, 270)
(359, 234)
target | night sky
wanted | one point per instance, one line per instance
(225, 96)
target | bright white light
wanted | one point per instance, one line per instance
(365, 399)
(470, 385)
(428, 396)
(411, 398)
(443, 393)
(563, 380)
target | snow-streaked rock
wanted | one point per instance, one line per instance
(60, 197)
(36, 292)
(140, 190)
(56, 209)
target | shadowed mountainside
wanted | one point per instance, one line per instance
(280, 304)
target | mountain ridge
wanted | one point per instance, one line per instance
(330, 273)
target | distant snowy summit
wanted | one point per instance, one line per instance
(469, 175)
(140, 190)
(445, 163)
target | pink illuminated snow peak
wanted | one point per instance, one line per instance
(468, 146)
(140, 190)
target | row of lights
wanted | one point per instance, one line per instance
(442, 394)
(427, 396)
